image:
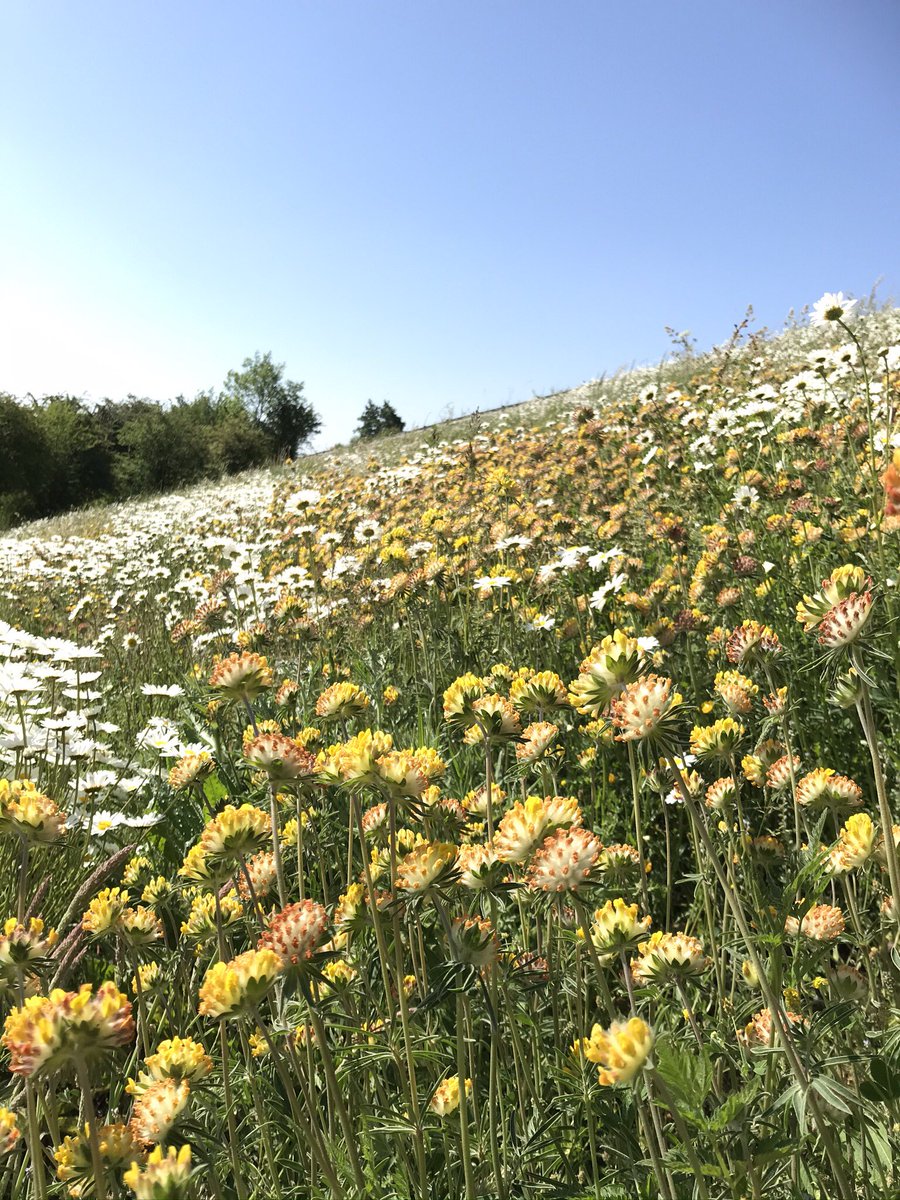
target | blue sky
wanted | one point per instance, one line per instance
(448, 205)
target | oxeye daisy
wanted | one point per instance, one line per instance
(833, 306)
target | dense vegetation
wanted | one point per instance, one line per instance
(61, 453)
(513, 819)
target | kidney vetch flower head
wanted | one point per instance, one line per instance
(165, 1175)
(233, 988)
(296, 932)
(446, 1096)
(74, 1164)
(645, 710)
(236, 832)
(669, 958)
(48, 1031)
(29, 813)
(565, 861)
(27, 943)
(608, 670)
(855, 844)
(616, 927)
(241, 676)
(717, 740)
(621, 1051)
(9, 1131)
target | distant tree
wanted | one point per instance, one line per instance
(277, 404)
(77, 468)
(378, 419)
(24, 457)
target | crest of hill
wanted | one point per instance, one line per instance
(718, 371)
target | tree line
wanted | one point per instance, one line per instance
(61, 453)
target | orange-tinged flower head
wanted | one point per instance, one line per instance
(296, 932)
(241, 676)
(9, 1131)
(621, 1051)
(644, 709)
(47, 1030)
(565, 860)
(191, 770)
(280, 757)
(29, 813)
(843, 625)
(158, 1108)
(427, 865)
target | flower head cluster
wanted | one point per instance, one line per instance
(616, 927)
(565, 860)
(621, 1051)
(296, 932)
(645, 710)
(26, 811)
(47, 1031)
(233, 988)
(241, 676)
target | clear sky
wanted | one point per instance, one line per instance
(449, 205)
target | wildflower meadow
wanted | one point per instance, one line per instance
(509, 811)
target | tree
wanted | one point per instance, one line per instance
(276, 403)
(378, 419)
(24, 455)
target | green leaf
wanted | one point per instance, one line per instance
(687, 1074)
(731, 1107)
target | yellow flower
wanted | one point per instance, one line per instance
(616, 927)
(158, 1108)
(201, 921)
(104, 911)
(669, 958)
(21, 944)
(538, 693)
(459, 699)
(47, 1030)
(856, 843)
(446, 1096)
(73, 1157)
(717, 740)
(9, 1131)
(609, 668)
(621, 1051)
(140, 926)
(29, 813)
(341, 701)
(175, 1058)
(164, 1176)
(494, 719)
(241, 676)
(426, 866)
(236, 832)
(231, 988)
